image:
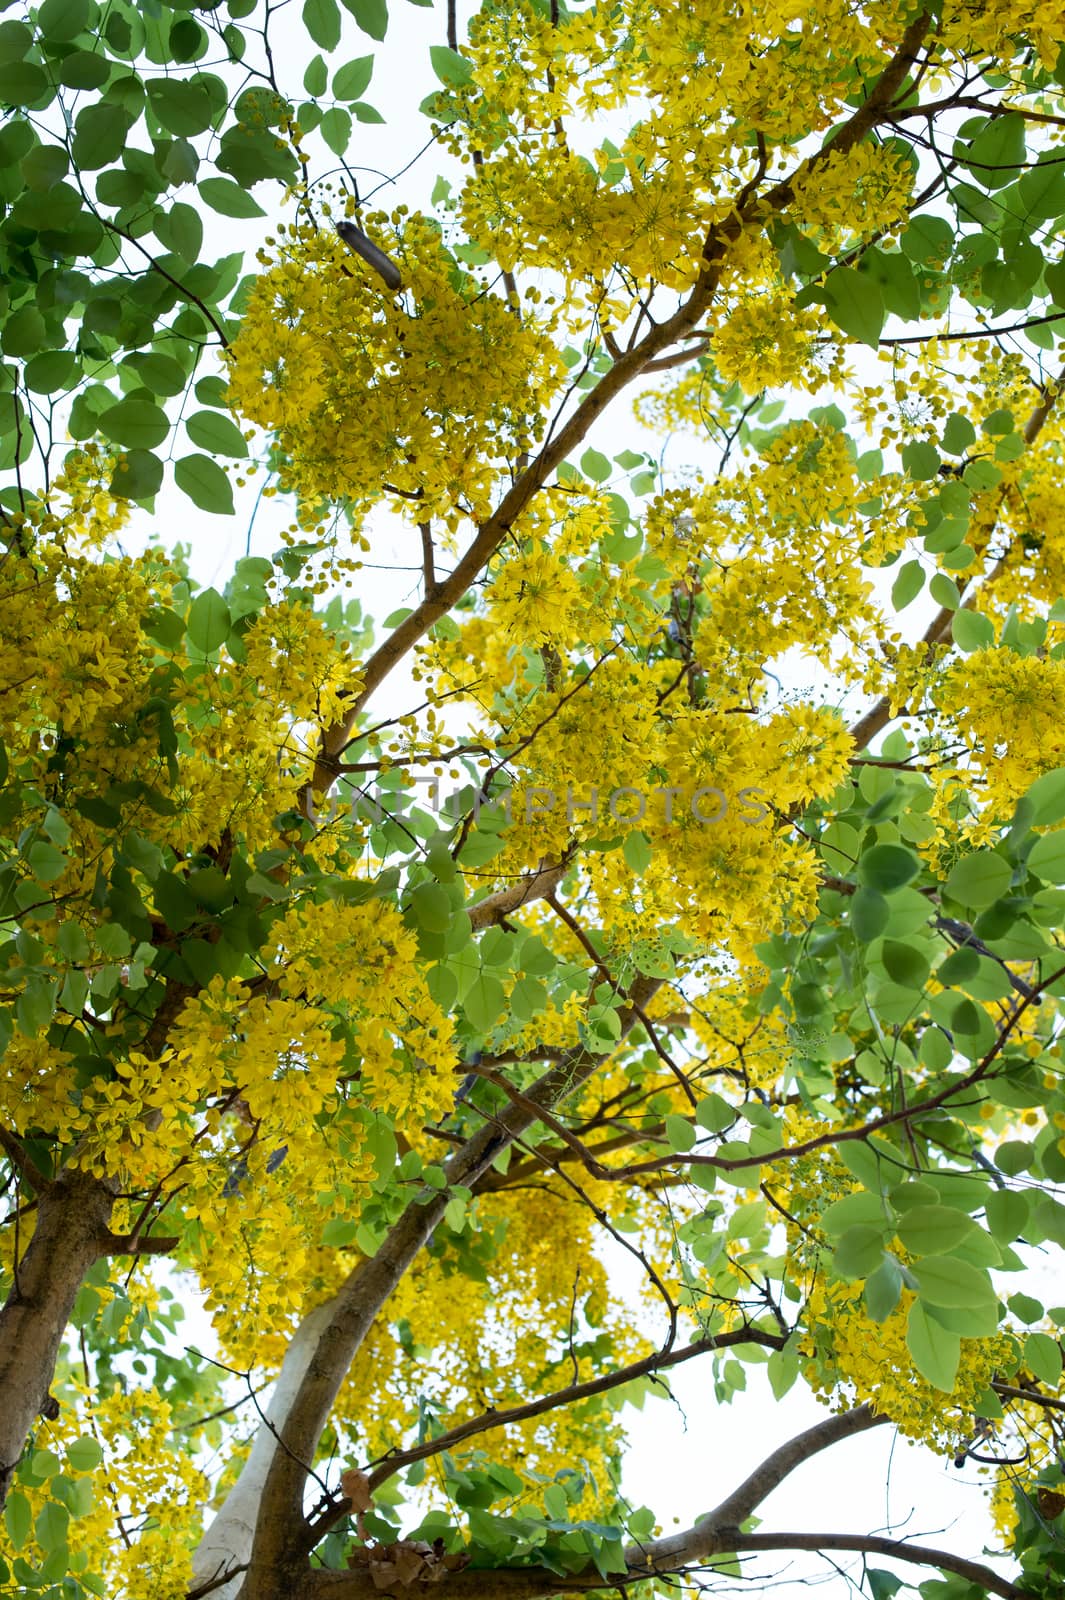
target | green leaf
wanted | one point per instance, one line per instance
(138, 475)
(882, 1290)
(637, 851)
(335, 128)
(52, 371)
(141, 424)
(211, 430)
(184, 232)
(920, 459)
(63, 19)
(1042, 1355)
(714, 1113)
(229, 199)
(18, 1518)
(855, 304)
(351, 81)
(908, 584)
(209, 622)
(364, 112)
(946, 1281)
(23, 332)
(321, 18)
(887, 866)
(944, 592)
(84, 1454)
(979, 879)
(782, 1369)
(452, 69)
(928, 239)
(46, 862)
(906, 964)
(181, 107)
(22, 83)
(935, 1351)
(339, 1232)
(997, 152)
(860, 1208)
(205, 483)
(84, 69)
(859, 1252)
(680, 1133)
(430, 907)
(73, 945)
(958, 434)
(934, 1230)
(972, 630)
(527, 999)
(870, 914)
(1007, 1215)
(484, 1002)
(1047, 858)
(958, 968)
(1046, 797)
(595, 465)
(52, 1526)
(316, 77)
(371, 15)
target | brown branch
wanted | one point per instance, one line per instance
(1009, 1391)
(132, 1244)
(905, 1116)
(538, 885)
(491, 1419)
(428, 565)
(715, 1534)
(873, 1544)
(770, 1473)
(972, 333)
(23, 1162)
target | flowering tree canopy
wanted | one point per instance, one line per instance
(680, 872)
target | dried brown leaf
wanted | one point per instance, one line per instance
(355, 1486)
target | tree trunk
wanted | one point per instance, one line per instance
(70, 1234)
(226, 1544)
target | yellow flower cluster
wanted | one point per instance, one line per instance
(536, 598)
(295, 660)
(1010, 709)
(764, 342)
(501, 1337)
(871, 1360)
(848, 195)
(363, 959)
(535, 83)
(144, 1468)
(433, 392)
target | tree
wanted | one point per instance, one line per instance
(759, 983)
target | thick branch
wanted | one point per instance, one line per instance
(70, 1234)
(713, 1535)
(537, 886)
(766, 1477)
(226, 1544)
(873, 1545)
